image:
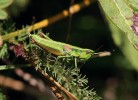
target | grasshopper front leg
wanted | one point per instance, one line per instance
(68, 58)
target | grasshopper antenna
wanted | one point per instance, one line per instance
(101, 54)
(32, 24)
(70, 21)
(99, 48)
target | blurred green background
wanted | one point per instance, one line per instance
(113, 77)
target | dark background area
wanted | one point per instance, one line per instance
(88, 30)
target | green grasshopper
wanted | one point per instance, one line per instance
(62, 49)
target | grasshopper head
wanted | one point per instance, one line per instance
(87, 53)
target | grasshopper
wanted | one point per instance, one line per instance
(62, 49)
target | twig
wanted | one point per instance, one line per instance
(38, 83)
(54, 83)
(20, 86)
(44, 23)
(69, 95)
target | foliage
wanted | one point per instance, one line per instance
(2, 97)
(64, 72)
(3, 5)
(127, 49)
(3, 51)
(17, 7)
(123, 14)
(5, 28)
(123, 17)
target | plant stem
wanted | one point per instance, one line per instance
(44, 23)
(50, 79)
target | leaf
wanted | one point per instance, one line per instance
(3, 14)
(2, 96)
(3, 51)
(5, 3)
(133, 4)
(130, 54)
(6, 67)
(123, 16)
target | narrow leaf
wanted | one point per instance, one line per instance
(4, 51)
(5, 67)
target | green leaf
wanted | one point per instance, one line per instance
(2, 96)
(3, 51)
(133, 4)
(3, 14)
(130, 54)
(5, 3)
(123, 16)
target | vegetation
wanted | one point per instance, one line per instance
(38, 72)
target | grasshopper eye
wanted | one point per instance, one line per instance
(88, 51)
